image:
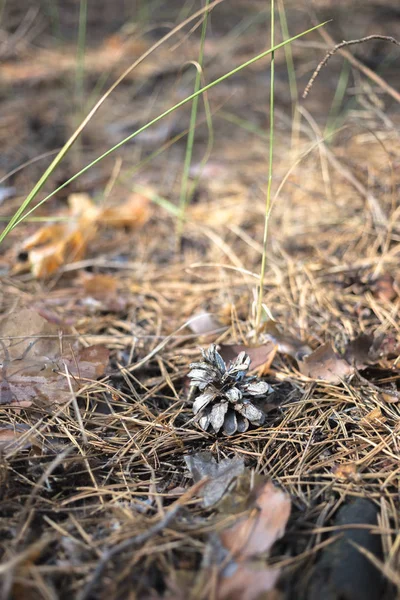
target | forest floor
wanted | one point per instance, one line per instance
(105, 302)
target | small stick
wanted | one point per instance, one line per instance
(385, 38)
(139, 539)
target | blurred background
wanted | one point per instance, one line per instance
(57, 57)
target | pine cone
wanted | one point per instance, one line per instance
(227, 393)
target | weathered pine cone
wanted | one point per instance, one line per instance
(227, 394)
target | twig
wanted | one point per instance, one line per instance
(339, 47)
(139, 539)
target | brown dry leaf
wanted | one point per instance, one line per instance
(325, 364)
(248, 583)
(287, 344)
(55, 245)
(42, 381)
(9, 436)
(249, 537)
(374, 415)
(88, 363)
(257, 532)
(135, 212)
(26, 332)
(99, 286)
(259, 355)
(58, 244)
(33, 369)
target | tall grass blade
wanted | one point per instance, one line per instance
(67, 146)
(270, 167)
(19, 216)
(183, 199)
(291, 74)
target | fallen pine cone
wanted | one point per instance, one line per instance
(227, 393)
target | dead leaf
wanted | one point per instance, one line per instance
(55, 245)
(287, 344)
(135, 212)
(257, 532)
(203, 323)
(248, 583)
(326, 365)
(58, 244)
(25, 331)
(9, 436)
(374, 415)
(88, 363)
(100, 292)
(221, 474)
(244, 578)
(33, 369)
(100, 286)
(259, 355)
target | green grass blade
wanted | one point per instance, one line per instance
(18, 217)
(270, 167)
(183, 200)
(70, 142)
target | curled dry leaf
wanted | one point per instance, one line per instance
(9, 436)
(203, 323)
(287, 344)
(328, 365)
(135, 212)
(58, 244)
(33, 369)
(256, 533)
(251, 536)
(203, 464)
(100, 286)
(54, 245)
(384, 288)
(259, 355)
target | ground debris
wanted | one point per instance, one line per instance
(344, 572)
(220, 475)
(35, 368)
(57, 244)
(326, 364)
(257, 513)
